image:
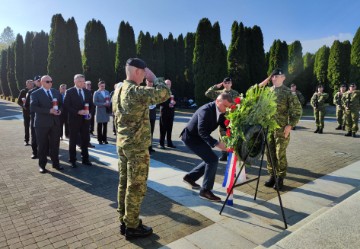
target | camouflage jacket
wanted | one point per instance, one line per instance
(288, 107)
(213, 92)
(300, 97)
(318, 100)
(352, 100)
(131, 112)
(338, 100)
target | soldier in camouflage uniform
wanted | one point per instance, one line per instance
(298, 95)
(131, 111)
(318, 103)
(287, 116)
(351, 101)
(212, 93)
(338, 102)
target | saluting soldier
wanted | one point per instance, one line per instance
(338, 102)
(212, 93)
(287, 116)
(351, 102)
(318, 103)
(131, 110)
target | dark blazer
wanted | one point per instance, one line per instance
(40, 104)
(22, 94)
(73, 104)
(202, 124)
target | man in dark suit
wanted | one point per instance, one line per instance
(26, 112)
(167, 113)
(197, 137)
(32, 116)
(46, 104)
(76, 99)
(63, 116)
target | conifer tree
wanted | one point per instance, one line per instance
(334, 74)
(158, 55)
(180, 66)
(19, 61)
(256, 60)
(3, 73)
(295, 62)
(125, 49)
(189, 73)
(144, 48)
(355, 58)
(346, 60)
(74, 63)
(170, 64)
(308, 76)
(278, 57)
(14, 91)
(112, 55)
(40, 53)
(321, 65)
(28, 56)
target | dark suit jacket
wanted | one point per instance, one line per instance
(73, 103)
(40, 104)
(22, 94)
(202, 124)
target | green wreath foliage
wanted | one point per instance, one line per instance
(257, 108)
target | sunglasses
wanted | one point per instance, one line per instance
(48, 81)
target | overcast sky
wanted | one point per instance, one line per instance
(313, 22)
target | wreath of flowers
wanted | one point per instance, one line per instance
(257, 108)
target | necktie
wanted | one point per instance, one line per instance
(81, 96)
(48, 93)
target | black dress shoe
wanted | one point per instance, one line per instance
(87, 163)
(208, 195)
(34, 156)
(224, 156)
(100, 142)
(190, 182)
(73, 165)
(151, 150)
(91, 146)
(106, 142)
(171, 146)
(162, 147)
(270, 183)
(26, 144)
(42, 170)
(58, 167)
(140, 231)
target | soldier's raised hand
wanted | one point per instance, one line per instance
(149, 75)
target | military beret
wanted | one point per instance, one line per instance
(227, 79)
(352, 85)
(292, 85)
(320, 86)
(343, 85)
(37, 77)
(277, 71)
(136, 62)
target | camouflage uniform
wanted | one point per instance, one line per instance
(131, 108)
(338, 102)
(212, 93)
(352, 102)
(288, 113)
(300, 97)
(318, 103)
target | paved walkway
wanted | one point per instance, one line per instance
(76, 208)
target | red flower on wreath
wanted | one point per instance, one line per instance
(233, 107)
(237, 100)
(228, 132)
(227, 122)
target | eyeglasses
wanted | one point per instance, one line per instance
(48, 81)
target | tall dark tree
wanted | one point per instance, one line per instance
(355, 58)
(112, 54)
(189, 73)
(346, 60)
(220, 54)
(125, 49)
(3, 73)
(170, 63)
(144, 48)
(28, 56)
(308, 76)
(96, 54)
(334, 71)
(180, 66)
(14, 91)
(40, 52)
(73, 51)
(278, 56)
(321, 65)
(158, 55)
(256, 60)
(19, 61)
(295, 61)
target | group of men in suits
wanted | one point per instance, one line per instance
(46, 108)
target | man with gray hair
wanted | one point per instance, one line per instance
(79, 103)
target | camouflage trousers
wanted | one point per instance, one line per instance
(133, 173)
(351, 120)
(340, 116)
(277, 152)
(319, 115)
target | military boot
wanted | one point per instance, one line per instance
(317, 130)
(122, 228)
(343, 127)
(339, 127)
(270, 183)
(348, 134)
(353, 134)
(320, 131)
(280, 183)
(140, 231)
(223, 157)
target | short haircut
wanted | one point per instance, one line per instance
(78, 76)
(101, 82)
(29, 81)
(62, 85)
(88, 82)
(292, 85)
(225, 96)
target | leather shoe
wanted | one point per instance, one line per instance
(151, 150)
(140, 231)
(224, 156)
(42, 170)
(171, 146)
(87, 163)
(190, 182)
(58, 167)
(34, 156)
(73, 165)
(270, 183)
(162, 147)
(106, 142)
(91, 146)
(208, 195)
(26, 144)
(100, 142)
